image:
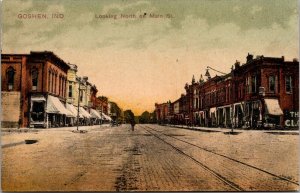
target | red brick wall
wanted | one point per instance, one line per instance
(55, 82)
(16, 64)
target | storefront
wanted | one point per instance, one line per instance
(96, 117)
(213, 116)
(37, 111)
(57, 113)
(105, 117)
(202, 118)
(73, 120)
(238, 115)
(86, 116)
(253, 114)
(273, 113)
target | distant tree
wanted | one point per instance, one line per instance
(116, 112)
(153, 117)
(129, 117)
(145, 117)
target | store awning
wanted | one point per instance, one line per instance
(272, 107)
(55, 106)
(106, 117)
(73, 110)
(95, 114)
(38, 98)
(84, 113)
(212, 110)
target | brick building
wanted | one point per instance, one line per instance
(40, 90)
(39, 79)
(163, 112)
(263, 92)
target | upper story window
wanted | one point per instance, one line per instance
(253, 84)
(81, 95)
(52, 82)
(10, 78)
(272, 83)
(288, 84)
(34, 78)
(70, 90)
(55, 84)
(49, 81)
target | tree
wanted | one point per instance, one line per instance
(129, 117)
(145, 117)
(153, 117)
(116, 112)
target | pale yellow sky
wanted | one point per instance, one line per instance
(137, 62)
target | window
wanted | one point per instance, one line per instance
(253, 84)
(52, 82)
(34, 78)
(38, 109)
(271, 83)
(55, 84)
(49, 81)
(70, 91)
(81, 95)
(288, 84)
(59, 84)
(10, 78)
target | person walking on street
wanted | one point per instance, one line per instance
(132, 123)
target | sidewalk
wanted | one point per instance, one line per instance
(25, 129)
(225, 130)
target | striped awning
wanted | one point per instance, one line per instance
(56, 107)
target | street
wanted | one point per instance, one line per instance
(151, 158)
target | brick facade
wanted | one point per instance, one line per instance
(36, 74)
(242, 97)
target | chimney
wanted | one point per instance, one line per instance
(85, 78)
(249, 57)
(236, 64)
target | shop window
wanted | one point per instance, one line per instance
(272, 84)
(34, 78)
(10, 78)
(288, 84)
(37, 112)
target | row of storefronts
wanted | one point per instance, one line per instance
(47, 93)
(262, 93)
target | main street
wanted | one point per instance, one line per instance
(151, 158)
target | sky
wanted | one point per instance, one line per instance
(137, 62)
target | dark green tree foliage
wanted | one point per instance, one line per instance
(129, 117)
(144, 118)
(116, 112)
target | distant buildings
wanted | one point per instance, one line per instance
(263, 92)
(41, 90)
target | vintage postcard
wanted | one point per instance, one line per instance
(130, 95)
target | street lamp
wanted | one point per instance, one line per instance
(80, 81)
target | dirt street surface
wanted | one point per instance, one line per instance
(151, 158)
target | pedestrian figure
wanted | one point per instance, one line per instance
(132, 123)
